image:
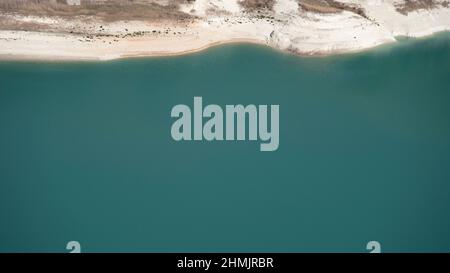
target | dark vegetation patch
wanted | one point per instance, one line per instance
(330, 6)
(408, 6)
(255, 5)
(107, 10)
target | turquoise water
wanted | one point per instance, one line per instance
(86, 153)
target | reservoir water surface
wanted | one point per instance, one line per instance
(86, 153)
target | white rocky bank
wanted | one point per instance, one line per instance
(325, 33)
(286, 26)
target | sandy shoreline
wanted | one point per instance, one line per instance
(53, 58)
(284, 29)
(35, 57)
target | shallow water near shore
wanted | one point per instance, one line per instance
(86, 153)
